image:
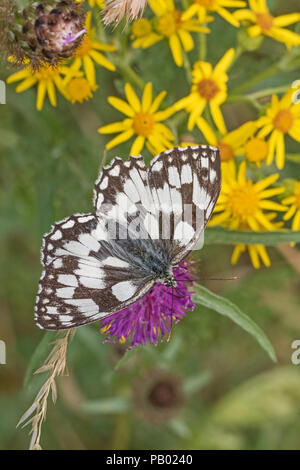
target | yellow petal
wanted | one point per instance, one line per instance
(264, 183)
(207, 131)
(132, 99)
(51, 92)
(112, 128)
(176, 50)
(147, 97)
(228, 16)
(121, 106)
(137, 146)
(25, 84)
(41, 91)
(157, 102)
(272, 206)
(186, 39)
(280, 151)
(100, 59)
(89, 69)
(285, 20)
(254, 256)
(15, 77)
(224, 63)
(120, 138)
(296, 221)
(217, 117)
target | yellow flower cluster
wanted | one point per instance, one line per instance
(252, 153)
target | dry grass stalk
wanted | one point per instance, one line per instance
(55, 364)
(116, 10)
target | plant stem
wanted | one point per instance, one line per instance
(202, 46)
(272, 70)
(130, 75)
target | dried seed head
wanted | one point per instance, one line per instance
(44, 32)
(158, 396)
(116, 10)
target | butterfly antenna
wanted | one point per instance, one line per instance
(234, 278)
(172, 305)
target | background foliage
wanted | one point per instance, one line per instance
(234, 396)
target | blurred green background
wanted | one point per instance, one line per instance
(211, 386)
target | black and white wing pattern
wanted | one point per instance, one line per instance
(145, 221)
(185, 183)
(86, 276)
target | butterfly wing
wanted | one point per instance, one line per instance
(86, 275)
(185, 185)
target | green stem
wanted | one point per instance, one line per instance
(243, 99)
(272, 70)
(295, 158)
(238, 52)
(202, 46)
(187, 67)
(130, 75)
(268, 91)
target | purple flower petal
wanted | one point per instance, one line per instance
(151, 318)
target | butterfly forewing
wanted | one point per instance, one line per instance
(97, 264)
(86, 275)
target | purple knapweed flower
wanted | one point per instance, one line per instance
(151, 318)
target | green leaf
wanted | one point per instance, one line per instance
(106, 406)
(226, 307)
(221, 235)
(39, 355)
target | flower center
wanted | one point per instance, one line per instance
(283, 120)
(206, 3)
(163, 395)
(141, 28)
(265, 21)
(169, 23)
(256, 149)
(226, 151)
(143, 124)
(243, 200)
(84, 48)
(208, 89)
(79, 89)
(45, 72)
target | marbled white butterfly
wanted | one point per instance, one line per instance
(145, 222)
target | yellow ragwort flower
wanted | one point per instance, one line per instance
(79, 89)
(231, 143)
(256, 150)
(88, 53)
(294, 209)
(242, 201)
(202, 7)
(47, 80)
(168, 25)
(282, 118)
(143, 121)
(263, 23)
(208, 88)
(257, 253)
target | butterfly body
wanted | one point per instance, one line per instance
(145, 222)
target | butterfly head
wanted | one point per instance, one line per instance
(169, 280)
